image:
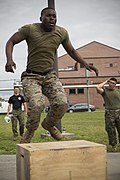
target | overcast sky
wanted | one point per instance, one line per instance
(85, 20)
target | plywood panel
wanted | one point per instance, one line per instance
(65, 160)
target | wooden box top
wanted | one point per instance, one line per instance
(76, 144)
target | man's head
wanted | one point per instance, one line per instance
(16, 90)
(48, 19)
(112, 83)
(113, 79)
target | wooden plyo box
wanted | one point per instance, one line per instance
(64, 160)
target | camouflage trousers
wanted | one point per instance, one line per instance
(112, 125)
(17, 116)
(35, 88)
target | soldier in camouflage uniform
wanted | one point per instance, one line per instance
(16, 101)
(111, 96)
(43, 40)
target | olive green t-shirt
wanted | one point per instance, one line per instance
(42, 45)
(111, 98)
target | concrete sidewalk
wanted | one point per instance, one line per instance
(8, 167)
(113, 166)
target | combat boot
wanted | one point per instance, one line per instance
(15, 138)
(114, 148)
(55, 133)
(27, 137)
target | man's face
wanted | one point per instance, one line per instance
(49, 19)
(112, 84)
(16, 91)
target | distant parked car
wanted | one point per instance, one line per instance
(81, 107)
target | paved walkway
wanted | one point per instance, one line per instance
(113, 167)
(8, 167)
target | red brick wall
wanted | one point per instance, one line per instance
(101, 56)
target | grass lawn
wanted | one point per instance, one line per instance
(85, 125)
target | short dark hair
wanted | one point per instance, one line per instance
(113, 79)
(16, 87)
(43, 10)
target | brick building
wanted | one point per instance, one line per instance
(105, 58)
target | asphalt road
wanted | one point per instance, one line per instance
(8, 167)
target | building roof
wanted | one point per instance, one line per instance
(105, 58)
(96, 49)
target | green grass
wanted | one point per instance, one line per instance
(86, 126)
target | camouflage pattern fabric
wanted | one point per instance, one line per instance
(35, 88)
(112, 123)
(17, 116)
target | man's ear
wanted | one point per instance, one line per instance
(40, 18)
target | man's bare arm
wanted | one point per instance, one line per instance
(76, 56)
(15, 39)
(100, 87)
(9, 108)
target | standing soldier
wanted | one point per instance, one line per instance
(16, 101)
(111, 96)
(43, 40)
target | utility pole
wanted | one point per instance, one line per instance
(51, 4)
(88, 96)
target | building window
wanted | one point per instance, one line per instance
(76, 91)
(80, 90)
(111, 65)
(68, 68)
(72, 91)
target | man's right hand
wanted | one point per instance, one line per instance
(10, 66)
(94, 69)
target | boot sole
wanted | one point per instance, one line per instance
(55, 133)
